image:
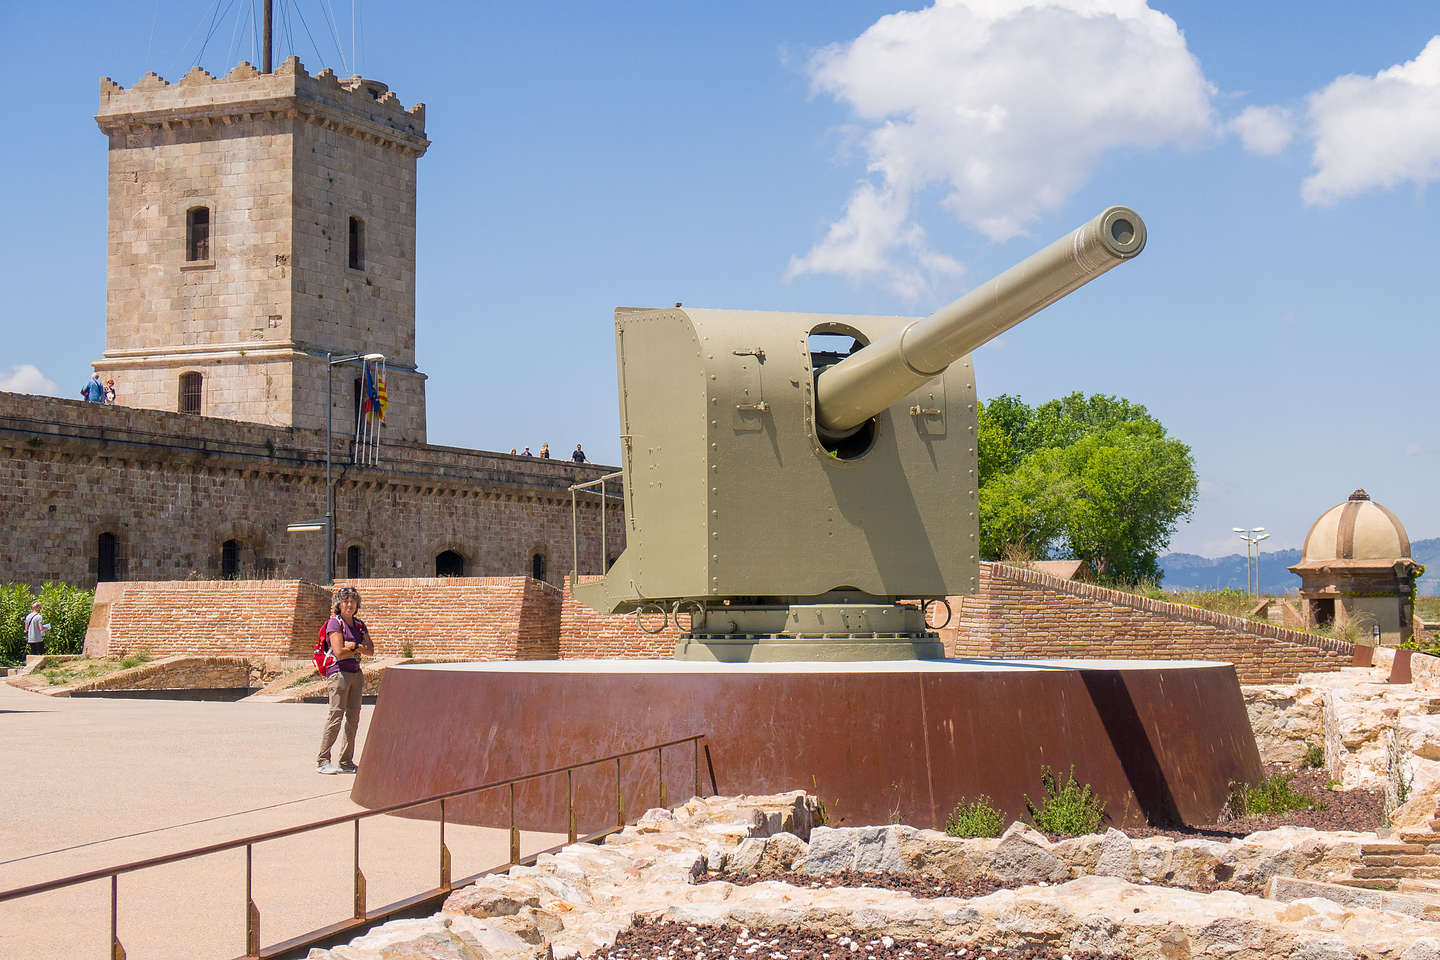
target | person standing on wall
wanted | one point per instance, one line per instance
(110, 391)
(545, 451)
(579, 455)
(94, 390)
(349, 637)
(35, 629)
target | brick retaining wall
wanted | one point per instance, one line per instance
(1016, 613)
(1024, 613)
(206, 617)
(478, 618)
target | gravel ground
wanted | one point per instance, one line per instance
(1357, 810)
(671, 941)
(924, 887)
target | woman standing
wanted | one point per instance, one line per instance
(349, 637)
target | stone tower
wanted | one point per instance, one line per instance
(256, 222)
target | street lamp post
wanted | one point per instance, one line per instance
(1252, 538)
(331, 361)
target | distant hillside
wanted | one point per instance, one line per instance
(1186, 571)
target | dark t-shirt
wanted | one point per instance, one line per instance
(359, 632)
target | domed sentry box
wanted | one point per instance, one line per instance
(1356, 566)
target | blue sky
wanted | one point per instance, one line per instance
(854, 157)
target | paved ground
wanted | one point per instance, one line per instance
(87, 783)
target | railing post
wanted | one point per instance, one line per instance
(117, 952)
(359, 877)
(252, 912)
(619, 797)
(444, 851)
(660, 772)
(514, 831)
(697, 766)
(570, 794)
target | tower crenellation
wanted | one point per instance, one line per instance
(258, 222)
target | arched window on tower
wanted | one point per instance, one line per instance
(230, 560)
(105, 558)
(190, 386)
(352, 562)
(357, 243)
(197, 234)
(449, 564)
(537, 566)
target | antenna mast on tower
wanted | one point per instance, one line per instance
(265, 64)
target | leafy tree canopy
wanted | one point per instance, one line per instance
(1096, 478)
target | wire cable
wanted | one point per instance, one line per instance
(327, 8)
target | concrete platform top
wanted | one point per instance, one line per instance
(561, 667)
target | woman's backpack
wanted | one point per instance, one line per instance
(324, 659)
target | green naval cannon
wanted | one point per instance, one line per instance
(790, 503)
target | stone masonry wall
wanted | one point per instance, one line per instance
(172, 489)
(1023, 613)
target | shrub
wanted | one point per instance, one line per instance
(975, 819)
(65, 608)
(1315, 756)
(15, 600)
(407, 649)
(1271, 795)
(1070, 809)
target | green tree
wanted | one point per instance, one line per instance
(1095, 476)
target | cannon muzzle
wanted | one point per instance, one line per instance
(852, 391)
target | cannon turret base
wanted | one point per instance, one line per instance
(792, 649)
(829, 632)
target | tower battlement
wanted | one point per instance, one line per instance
(367, 109)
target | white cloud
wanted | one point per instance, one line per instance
(27, 378)
(1264, 130)
(1006, 105)
(1413, 449)
(1376, 132)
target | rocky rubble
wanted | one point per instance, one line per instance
(1104, 893)
(1376, 735)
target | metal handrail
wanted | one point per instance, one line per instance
(361, 917)
(575, 520)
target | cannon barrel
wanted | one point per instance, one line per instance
(879, 375)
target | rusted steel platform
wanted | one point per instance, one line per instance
(1158, 740)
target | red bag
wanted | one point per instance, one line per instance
(324, 659)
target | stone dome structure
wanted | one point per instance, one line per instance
(1356, 567)
(1356, 531)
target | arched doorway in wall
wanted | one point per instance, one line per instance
(230, 560)
(354, 562)
(105, 554)
(448, 563)
(538, 565)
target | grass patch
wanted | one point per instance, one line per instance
(974, 819)
(76, 671)
(1271, 796)
(1067, 809)
(1314, 756)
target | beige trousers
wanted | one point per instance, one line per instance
(346, 690)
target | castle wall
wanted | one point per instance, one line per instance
(172, 489)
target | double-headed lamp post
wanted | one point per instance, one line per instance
(327, 523)
(1252, 538)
